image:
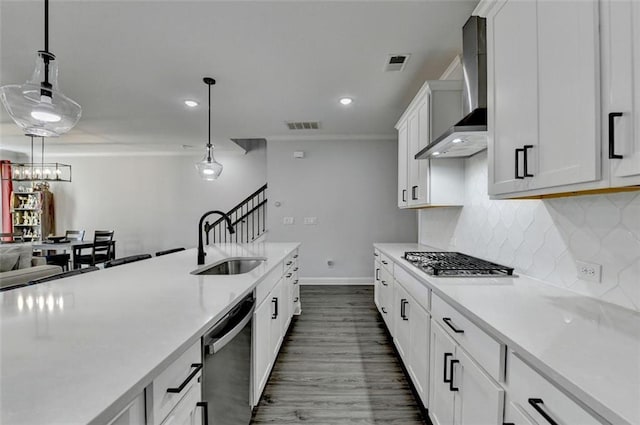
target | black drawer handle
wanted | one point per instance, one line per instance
(536, 403)
(414, 197)
(295, 282)
(612, 135)
(384, 262)
(289, 275)
(295, 256)
(295, 300)
(517, 175)
(197, 368)
(205, 411)
(404, 195)
(403, 312)
(274, 300)
(289, 263)
(384, 282)
(377, 274)
(451, 387)
(526, 160)
(447, 320)
(375, 254)
(295, 269)
(444, 371)
(383, 310)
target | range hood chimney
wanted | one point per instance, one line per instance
(469, 135)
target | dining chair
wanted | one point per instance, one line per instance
(63, 260)
(101, 249)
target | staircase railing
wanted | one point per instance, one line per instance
(248, 219)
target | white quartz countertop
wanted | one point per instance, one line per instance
(590, 348)
(76, 350)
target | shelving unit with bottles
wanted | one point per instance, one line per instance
(32, 214)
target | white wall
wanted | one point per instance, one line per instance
(543, 239)
(152, 202)
(350, 186)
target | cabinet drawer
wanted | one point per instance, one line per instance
(415, 288)
(540, 399)
(385, 276)
(176, 374)
(386, 262)
(485, 350)
(291, 261)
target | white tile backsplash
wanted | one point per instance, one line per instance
(543, 239)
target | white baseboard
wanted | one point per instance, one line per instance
(336, 281)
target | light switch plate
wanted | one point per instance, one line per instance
(287, 220)
(311, 220)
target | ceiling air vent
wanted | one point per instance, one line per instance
(396, 62)
(303, 125)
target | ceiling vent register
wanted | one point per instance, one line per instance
(396, 62)
(303, 125)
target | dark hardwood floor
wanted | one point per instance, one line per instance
(337, 366)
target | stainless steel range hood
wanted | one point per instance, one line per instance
(469, 135)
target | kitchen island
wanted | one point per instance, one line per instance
(588, 349)
(78, 350)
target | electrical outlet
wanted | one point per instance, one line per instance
(311, 220)
(287, 220)
(589, 271)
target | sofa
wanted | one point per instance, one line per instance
(18, 266)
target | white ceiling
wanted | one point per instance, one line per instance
(130, 64)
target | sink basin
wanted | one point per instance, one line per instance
(230, 266)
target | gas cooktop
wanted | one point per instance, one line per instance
(456, 264)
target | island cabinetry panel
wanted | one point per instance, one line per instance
(277, 299)
(168, 390)
(133, 414)
(530, 395)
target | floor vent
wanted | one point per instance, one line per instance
(396, 62)
(303, 125)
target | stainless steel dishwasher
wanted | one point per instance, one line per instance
(227, 366)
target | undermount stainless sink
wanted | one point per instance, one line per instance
(229, 266)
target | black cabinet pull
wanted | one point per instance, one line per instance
(404, 195)
(414, 197)
(384, 262)
(384, 282)
(295, 300)
(205, 411)
(274, 300)
(451, 363)
(403, 312)
(447, 320)
(295, 282)
(377, 274)
(383, 310)
(508, 423)
(444, 372)
(517, 175)
(289, 275)
(197, 368)
(536, 403)
(295, 256)
(612, 135)
(375, 254)
(526, 160)
(289, 263)
(295, 269)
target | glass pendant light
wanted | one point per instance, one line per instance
(37, 106)
(208, 168)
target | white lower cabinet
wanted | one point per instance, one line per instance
(277, 300)
(461, 392)
(420, 324)
(530, 395)
(133, 414)
(189, 411)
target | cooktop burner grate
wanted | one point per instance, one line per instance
(455, 264)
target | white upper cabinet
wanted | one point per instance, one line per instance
(544, 92)
(563, 96)
(621, 80)
(422, 183)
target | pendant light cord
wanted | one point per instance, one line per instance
(209, 144)
(46, 25)
(46, 57)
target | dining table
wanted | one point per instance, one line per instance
(74, 246)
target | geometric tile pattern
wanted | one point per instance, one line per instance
(543, 239)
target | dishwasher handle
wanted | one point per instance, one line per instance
(219, 343)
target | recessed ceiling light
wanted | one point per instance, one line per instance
(346, 101)
(191, 103)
